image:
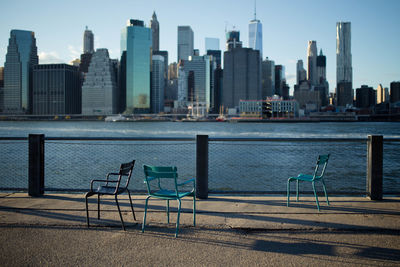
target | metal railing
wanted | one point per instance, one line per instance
(235, 165)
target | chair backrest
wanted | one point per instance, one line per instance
(320, 167)
(159, 173)
(125, 169)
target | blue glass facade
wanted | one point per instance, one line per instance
(20, 59)
(136, 40)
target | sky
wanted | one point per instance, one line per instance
(288, 25)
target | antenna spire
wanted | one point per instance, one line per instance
(255, 10)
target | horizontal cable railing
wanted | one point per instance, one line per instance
(235, 165)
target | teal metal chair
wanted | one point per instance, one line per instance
(156, 179)
(318, 175)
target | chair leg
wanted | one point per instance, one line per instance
(297, 190)
(119, 211)
(98, 206)
(87, 210)
(326, 194)
(315, 194)
(145, 213)
(130, 200)
(167, 211)
(177, 219)
(288, 192)
(194, 209)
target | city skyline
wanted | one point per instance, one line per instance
(286, 32)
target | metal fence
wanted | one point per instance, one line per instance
(235, 165)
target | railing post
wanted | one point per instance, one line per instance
(202, 166)
(374, 167)
(36, 165)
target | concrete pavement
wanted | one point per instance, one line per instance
(231, 231)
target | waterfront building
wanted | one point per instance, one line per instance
(365, 97)
(267, 78)
(182, 85)
(157, 84)
(233, 40)
(88, 41)
(382, 94)
(322, 83)
(136, 42)
(218, 82)
(198, 72)
(211, 43)
(56, 89)
(20, 58)
(344, 94)
(255, 34)
(76, 62)
(1, 88)
(242, 76)
(344, 70)
(216, 56)
(155, 32)
(185, 42)
(279, 78)
(85, 62)
(301, 73)
(308, 100)
(272, 107)
(321, 68)
(394, 92)
(312, 62)
(172, 71)
(99, 90)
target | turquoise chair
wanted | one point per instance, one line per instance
(156, 177)
(318, 175)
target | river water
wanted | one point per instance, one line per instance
(191, 129)
(234, 166)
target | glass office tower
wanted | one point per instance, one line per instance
(344, 70)
(136, 41)
(185, 42)
(20, 58)
(255, 33)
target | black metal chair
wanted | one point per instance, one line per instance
(105, 189)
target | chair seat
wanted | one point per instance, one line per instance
(170, 194)
(108, 190)
(305, 177)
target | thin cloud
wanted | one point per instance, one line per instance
(49, 58)
(74, 52)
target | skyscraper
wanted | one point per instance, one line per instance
(211, 43)
(233, 40)
(394, 92)
(267, 78)
(136, 44)
(56, 89)
(301, 74)
(382, 94)
(155, 32)
(321, 68)
(157, 85)
(279, 79)
(312, 62)
(241, 79)
(185, 42)
(199, 68)
(20, 58)
(99, 91)
(344, 70)
(88, 41)
(255, 33)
